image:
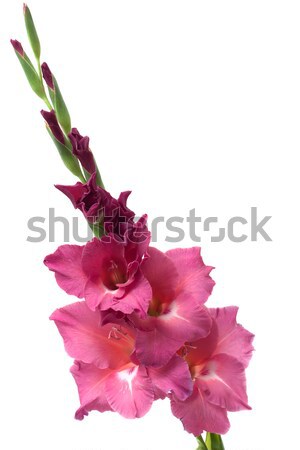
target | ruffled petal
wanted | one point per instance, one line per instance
(130, 392)
(133, 298)
(198, 415)
(224, 383)
(89, 380)
(154, 348)
(174, 378)
(85, 339)
(233, 339)
(162, 275)
(193, 273)
(66, 264)
(185, 320)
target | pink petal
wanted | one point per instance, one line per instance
(161, 274)
(89, 380)
(198, 415)
(193, 274)
(224, 384)
(130, 392)
(186, 320)
(66, 263)
(154, 348)
(133, 298)
(233, 339)
(174, 378)
(86, 340)
(98, 256)
(202, 349)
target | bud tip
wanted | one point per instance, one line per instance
(17, 46)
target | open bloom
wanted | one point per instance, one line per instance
(217, 364)
(180, 284)
(104, 273)
(108, 374)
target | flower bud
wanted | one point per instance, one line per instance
(29, 70)
(31, 31)
(59, 105)
(51, 120)
(18, 47)
(47, 75)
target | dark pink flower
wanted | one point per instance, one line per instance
(108, 375)
(98, 206)
(217, 364)
(81, 150)
(104, 274)
(180, 285)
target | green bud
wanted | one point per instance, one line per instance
(31, 75)
(61, 109)
(214, 442)
(68, 159)
(31, 31)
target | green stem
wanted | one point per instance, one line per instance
(214, 442)
(201, 443)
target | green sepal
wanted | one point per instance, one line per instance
(61, 109)
(68, 159)
(201, 443)
(31, 75)
(214, 442)
(97, 229)
(32, 33)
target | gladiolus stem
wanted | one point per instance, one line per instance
(214, 442)
(201, 443)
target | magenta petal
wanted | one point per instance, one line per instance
(161, 274)
(198, 415)
(193, 273)
(174, 378)
(155, 349)
(130, 392)
(233, 339)
(86, 340)
(66, 263)
(89, 380)
(186, 320)
(98, 256)
(74, 193)
(136, 298)
(224, 383)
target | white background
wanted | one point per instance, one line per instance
(190, 104)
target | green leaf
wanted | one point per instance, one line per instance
(214, 442)
(61, 109)
(201, 443)
(68, 159)
(32, 34)
(31, 75)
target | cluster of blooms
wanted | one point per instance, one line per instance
(142, 331)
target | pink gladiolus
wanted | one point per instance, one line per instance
(108, 374)
(180, 285)
(217, 364)
(104, 274)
